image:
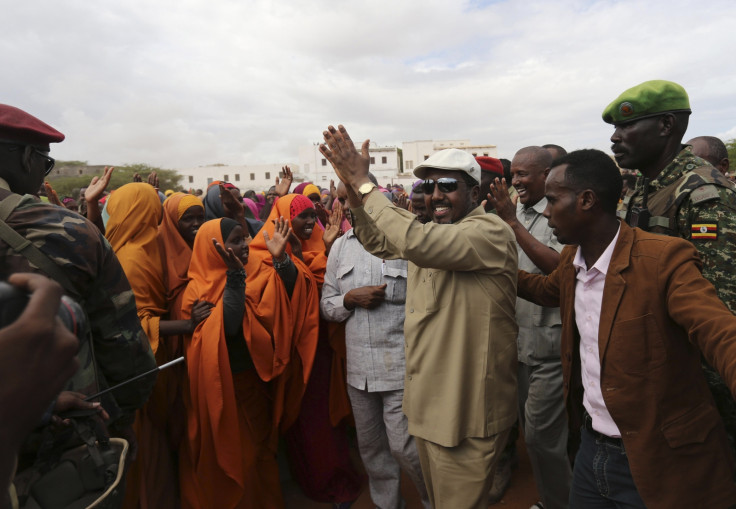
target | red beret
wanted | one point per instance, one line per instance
(490, 164)
(17, 126)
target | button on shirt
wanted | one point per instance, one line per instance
(539, 327)
(374, 337)
(588, 300)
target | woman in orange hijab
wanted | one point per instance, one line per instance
(183, 215)
(134, 211)
(317, 441)
(245, 342)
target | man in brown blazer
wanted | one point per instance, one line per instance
(636, 314)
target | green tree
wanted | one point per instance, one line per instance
(731, 147)
(70, 186)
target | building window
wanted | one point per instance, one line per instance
(324, 162)
(80, 172)
(209, 180)
(475, 154)
(268, 175)
(324, 177)
(373, 160)
(409, 165)
(252, 176)
(426, 157)
(226, 178)
(384, 160)
(191, 179)
(485, 154)
(237, 177)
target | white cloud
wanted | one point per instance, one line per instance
(191, 82)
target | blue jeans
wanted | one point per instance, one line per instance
(601, 477)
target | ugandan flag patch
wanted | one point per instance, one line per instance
(704, 231)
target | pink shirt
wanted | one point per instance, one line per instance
(588, 299)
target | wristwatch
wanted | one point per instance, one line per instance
(366, 188)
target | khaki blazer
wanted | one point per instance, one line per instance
(460, 327)
(658, 314)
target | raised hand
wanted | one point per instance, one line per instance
(137, 178)
(283, 185)
(277, 245)
(351, 166)
(228, 256)
(322, 214)
(333, 194)
(234, 209)
(296, 245)
(403, 202)
(153, 179)
(97, 187)
(499, 199)
(332, 229)
(51, 194)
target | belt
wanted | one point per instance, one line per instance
(588, 425)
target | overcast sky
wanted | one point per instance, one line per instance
(192, 82)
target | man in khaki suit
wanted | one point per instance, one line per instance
(460, 385)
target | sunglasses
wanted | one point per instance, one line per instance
(445, 185)
(48, 161)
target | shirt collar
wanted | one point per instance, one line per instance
(603, 261)
(537, 207)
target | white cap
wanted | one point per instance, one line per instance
(450, 159)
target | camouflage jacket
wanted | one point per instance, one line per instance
(119, 349)
(692, 200)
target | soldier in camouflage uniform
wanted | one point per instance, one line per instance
(679, 194)
(118, 349)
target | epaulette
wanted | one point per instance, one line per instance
(704, 193)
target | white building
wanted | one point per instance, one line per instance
(415, 152)
(385, 165)
(256, 177)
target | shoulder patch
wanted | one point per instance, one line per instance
(704, 193)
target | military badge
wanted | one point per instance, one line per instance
(704, 231)
(626, 109)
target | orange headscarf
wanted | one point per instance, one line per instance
(135, 210)
(175, 250)
(273, 330)
(313, 249)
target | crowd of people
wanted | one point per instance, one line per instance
(581, 300)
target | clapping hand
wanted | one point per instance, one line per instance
(296, 245)
(332, 230)
(153, 179)
(97, 187)
(351, 166)
(51, 194)
(277, 245)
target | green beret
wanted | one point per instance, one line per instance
(647, 100)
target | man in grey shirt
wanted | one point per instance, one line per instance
(541, 405)
(368, 294)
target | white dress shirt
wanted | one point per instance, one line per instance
(588, 299)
